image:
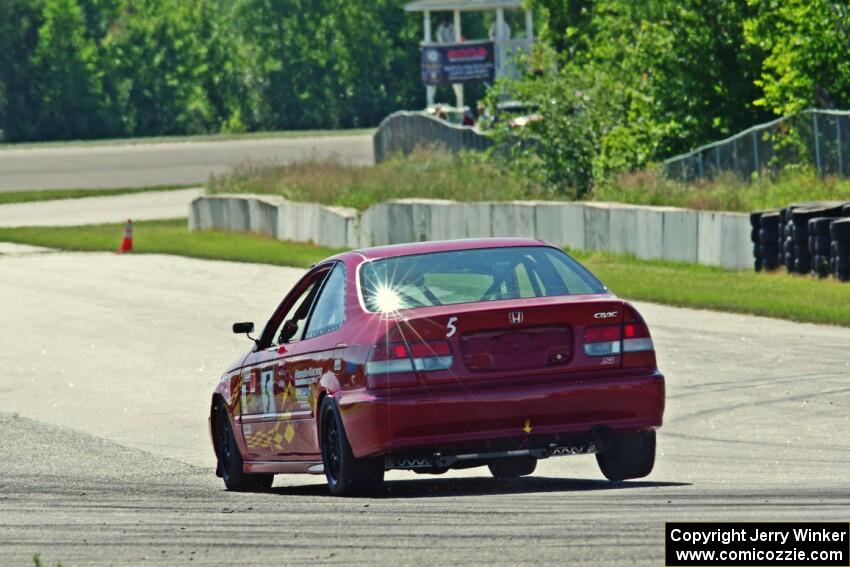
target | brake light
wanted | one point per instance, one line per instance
(421, 356)
(602, 340)
(636, 338)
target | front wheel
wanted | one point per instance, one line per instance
(230, 459)
(346, 474)
(628, 455)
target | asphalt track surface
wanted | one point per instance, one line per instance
(107, 365)
(148, 205)
(173, 163)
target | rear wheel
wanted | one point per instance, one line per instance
(230, 459)
(629, 455)
(513, 468)
(346, 474)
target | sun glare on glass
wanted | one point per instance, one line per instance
(387, 299)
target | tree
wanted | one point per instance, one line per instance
(330, 64)
(19, 24)
(652, 79)
(174, 66)
(68, 88)
(806, 44)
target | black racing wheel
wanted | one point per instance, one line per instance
(346, 474)
(230, 459)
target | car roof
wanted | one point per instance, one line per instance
(411, 248)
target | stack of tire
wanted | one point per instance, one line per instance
(755, 223)
(839, 259)
(820, 245)
(800, 237)
(798, 229)
(765, 237)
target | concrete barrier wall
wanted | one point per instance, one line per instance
(682, 235)
(403, 131)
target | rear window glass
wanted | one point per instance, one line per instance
(470, 276)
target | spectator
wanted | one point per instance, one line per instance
(445, 32)
(505, 27)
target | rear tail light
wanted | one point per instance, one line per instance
(422, 356)
(636, 338)
(630, 339)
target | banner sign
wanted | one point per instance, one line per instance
(445, 64)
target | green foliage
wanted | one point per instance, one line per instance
(20, 21)
(806, 43)
(330, 64)
(632, 83)
(96, 68)
(65, 64)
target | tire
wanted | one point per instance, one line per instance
(840, 248)
(755, 219)
(766, 236)
(346, 474)
(801, 249)
(821, 245)
(801, 230)
(803, 265)
(819, 226)
(767, 251)
(755, 236)
(789, 263)
(758, 264)
(512, 468)
(629, 455)
(820, 266)
(230, 459)
(841, 264)
(770, 222)
(840, 230)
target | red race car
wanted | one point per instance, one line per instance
(438, 356)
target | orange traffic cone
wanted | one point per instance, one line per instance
(127, 243)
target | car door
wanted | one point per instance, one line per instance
(312, 358)
(268, 397)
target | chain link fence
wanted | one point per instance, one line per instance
(817, 138)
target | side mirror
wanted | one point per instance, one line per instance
(288, 331)
(243, 328)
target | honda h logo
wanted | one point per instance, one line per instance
(515, 317)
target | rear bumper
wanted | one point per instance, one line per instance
(399, 422)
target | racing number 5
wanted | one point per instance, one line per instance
(450, 326)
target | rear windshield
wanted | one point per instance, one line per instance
(470, 276)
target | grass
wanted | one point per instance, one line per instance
(686, 285)
(426, 173)
(12, 197)
(778, 295)
(171, 237)
(192, 138)
(726, 193)
(37, 562)
(475, 177)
